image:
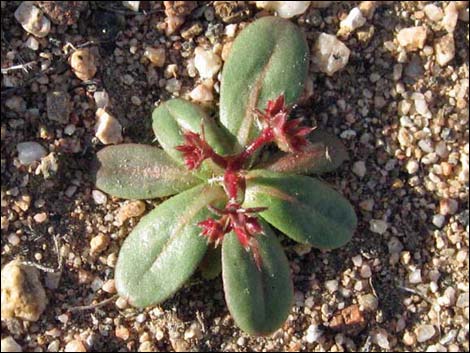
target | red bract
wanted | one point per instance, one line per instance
(195, 149)
(288, 135)
(212, 229)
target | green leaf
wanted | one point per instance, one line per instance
(268, 58)
(176, 115)
(325, 154)
(259, 301)
(305, 209)
(165, 248)
(133, 171)
(211, 265)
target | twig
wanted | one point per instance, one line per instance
(23, 67)
(93, 306)
(413, 291)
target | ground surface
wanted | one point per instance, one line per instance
(405, 267)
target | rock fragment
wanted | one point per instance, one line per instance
(29, 152)
(58, 106)
(32, 19)
(445, 49)
(285, 9)
(206, 62)
(108, 129)
(412, 38)
(330, 54)
(83, 64)
(23, 295)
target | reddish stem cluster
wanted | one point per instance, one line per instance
(289, 136)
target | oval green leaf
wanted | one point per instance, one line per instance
(165, 248)
(134, 171)
(305, 209)
(171, 118)
(268, 58)
(259, 301)
(325, 153)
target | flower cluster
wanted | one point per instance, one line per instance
(288, 135)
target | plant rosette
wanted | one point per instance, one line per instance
(227, 200)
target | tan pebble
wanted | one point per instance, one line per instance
(108, 129)
(368, 8)
(84, 277)
(122, 333)
(75, 346)
(448, 207)
(226, 50)
(409, 339)
(446, 168)
(99, 243)
(132, 209)
(156, 56)
(83, 65)
(109, 286)
(23, 295)
(121, 303)
(146, 346)
(412, 38)
(24, 202)
(202, 94)
(40, 217)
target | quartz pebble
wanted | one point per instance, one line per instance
(412, 166)
(433, 12)
(99, 197)
(201, 93)
(445, 49)
(330, 54)
(32, 43)
(108, 129)
(359, 168)
(451, 15)
(101, 99)
(368, 302)
(378, 226)
(32, 19)
(285, 9)
(10, 345)
(438, 220)
(448, 207)
(313, 333)
(354, 20)
(75, 346)
(29, 152)
(462, 301)
(23, 295)
(412, 38)
(132, 5)
(157, 56)
(415, 276)
(109, 286)
(82, 62)
(381, 339)
(206, 62)
(58, 106)
(424, 332)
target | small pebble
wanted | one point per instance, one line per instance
(451, 15)
(58, 106)
(448, 207)
(99, 243)
(462, 301)
(330, 54)
(445, 49)
(366, 271)
(157, 56)
(409, 339)
(412, 38)
(10, 345)
(354, 20)
(415, 277)
(121, 303)
(101, 99)
(99, 197)
(108, 129)
(32, 19)
(201, 93)
(378, 226)
(331, 286)
(83, 64)
(368, 302)
(424, 332)
(129, 210)
(412, 166)
(314, 332)
(109, 286)
(132, 5)
(29, 152)
(206, 62)
(359, 168)
(122, 332)
(75, 346)
(438, 220)
(433, 12)
(285, 9)
(32, 43)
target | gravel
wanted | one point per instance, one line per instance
(398, 100)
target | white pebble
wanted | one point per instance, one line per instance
(357, 260)
(415, 276)
(132, 5)
(438, 220)
(32, 43)
(412, 38)
(354, 20)
(330, 54)
(29, 152)
(331, 286)
(101, 99)
(173, 85)
(108, 129)
(425, 332)
(451, 15)
(366, 271)
(381, 338)
(99, 197)
(378, 226)
(445, 49)
(412, 166)
(201, 93)
(32, 19)
(206, 62)
(285, 9)
(10, 345)
(426, 146)
(433, 12)
(313, 333)
(359, 168)
(462, 301)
